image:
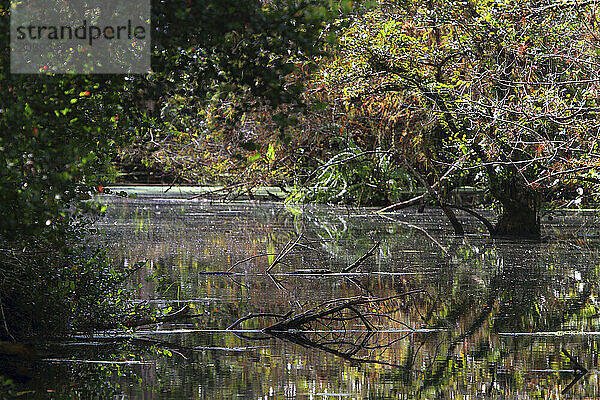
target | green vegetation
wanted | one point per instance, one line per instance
(492, 94)
(61, 133)
(346, 102)
(354, 176)
(57, 137)
(385, 104)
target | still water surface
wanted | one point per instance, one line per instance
(475, 317)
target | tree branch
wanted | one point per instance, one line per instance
(458, 229)
(490, 227)
(361, 259)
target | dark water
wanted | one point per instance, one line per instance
(475, 317)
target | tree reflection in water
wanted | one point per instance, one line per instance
(466, 312)
(483, 316)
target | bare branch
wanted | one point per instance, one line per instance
(490, 227)
(362, 258)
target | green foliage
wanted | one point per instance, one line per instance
(57, 136)
(55, 287)
(225, 47)
(501, 88)
(59, 133)
(229, 80)
(355, 176)
(55, 143)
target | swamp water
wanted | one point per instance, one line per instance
(464, 317)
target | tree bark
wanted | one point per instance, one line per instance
(519, 218)
(520, 222)
(520, 202)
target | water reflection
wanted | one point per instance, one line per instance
(482, 317)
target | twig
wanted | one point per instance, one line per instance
(277, 283)
(458, 229)
(250, 258)
(576, 364)
(273, 196)
(361, 259)
(421, 197)
(444, 250)
(328, 308)
(311, 272)
(4, 321)
(136, 267)
(576, 378)
(293, 328)
(173, 183)
(284, 252)
(403, 204)
(250, 316)
(225, 188)
(179, 314)
(335, 161)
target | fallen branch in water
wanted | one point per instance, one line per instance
(250, 316)
(330, 308)
(342, 327)
(227, 189)
(577, 367)
(288, 247)
(403, 204)
(490, 227)
(362, 258)
(444, 250)
(311, 272)
(182, 313)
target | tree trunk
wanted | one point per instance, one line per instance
(520, 222)
(520, 201)
(519, 218)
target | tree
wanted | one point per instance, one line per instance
(504, 93)
(227, 80)
(59, 134)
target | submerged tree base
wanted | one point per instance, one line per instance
(520, 223)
